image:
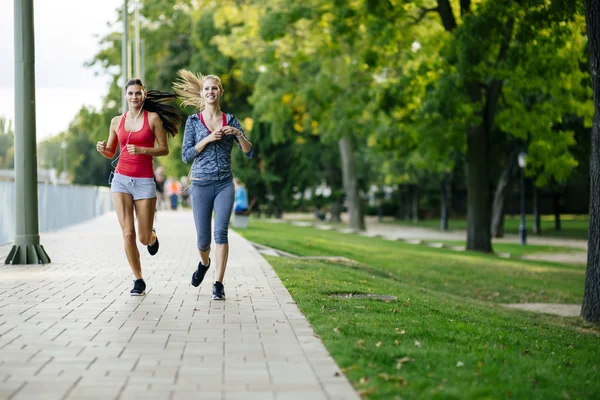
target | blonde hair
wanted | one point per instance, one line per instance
(189, 87)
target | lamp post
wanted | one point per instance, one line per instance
(27, 248)
(522, 227)
(64, 147)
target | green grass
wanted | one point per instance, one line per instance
(447, 320)
(572, 226)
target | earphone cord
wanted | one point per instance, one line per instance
(112, 163)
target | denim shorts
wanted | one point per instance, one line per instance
(138, 188)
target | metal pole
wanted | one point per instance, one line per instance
(136, 24)
(142, 63)
(522, 227)
(124, 54)
(444, 219)
(27, 248)
(64, 147)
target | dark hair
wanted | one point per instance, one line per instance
(156, 101)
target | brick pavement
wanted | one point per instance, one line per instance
(70, 330)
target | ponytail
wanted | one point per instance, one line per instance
(156, 101)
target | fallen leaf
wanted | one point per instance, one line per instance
(396, 342)
(337, 374)
(395, 310)
(417, 343)
(360, 342)
(378, 344)
(365, 392)
(401, 361)
(336, 330)
(387, 377)
(460, 364)
(363, 380)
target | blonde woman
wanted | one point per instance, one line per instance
(208, 139)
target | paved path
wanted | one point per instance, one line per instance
(69, 330)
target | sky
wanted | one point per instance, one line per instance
(67, 34)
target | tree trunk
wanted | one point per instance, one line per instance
(415, 204)
(335, 209)
(503, 188)
(478, 191)
(406, 204)
(537, 219)
(590, 310)
(355, 214)
(334, 181)
(557, 211)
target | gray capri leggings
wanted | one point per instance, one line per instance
(206, 196)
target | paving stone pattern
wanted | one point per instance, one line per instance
(70, 330)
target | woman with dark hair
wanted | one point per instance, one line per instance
(208, 139)
(133, 186)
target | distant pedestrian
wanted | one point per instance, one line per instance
(159, 179)
(133, 186)
(208, 139)
(240, 203)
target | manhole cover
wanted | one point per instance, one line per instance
(364, 296)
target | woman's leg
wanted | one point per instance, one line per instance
(202, 206)
(124, 207)
(223, 206)
(144, 210)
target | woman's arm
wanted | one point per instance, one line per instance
(162, 147)
(109, 149)
(236, 129)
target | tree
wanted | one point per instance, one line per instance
(488, 43)
(590, 310)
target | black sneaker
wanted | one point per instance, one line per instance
(198, 275)
(139, 288)
(153, 248)
(218, 291)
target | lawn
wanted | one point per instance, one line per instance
(572, 226)
(446, 334)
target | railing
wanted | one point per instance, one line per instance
(58, 206)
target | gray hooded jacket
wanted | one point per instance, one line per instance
(214, 162)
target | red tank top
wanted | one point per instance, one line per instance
(135, 165)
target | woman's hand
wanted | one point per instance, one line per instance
(216, 135)
(133, 149)
(101, 146)
(230, 130)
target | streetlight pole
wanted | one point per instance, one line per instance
(136, 41)
(522, 225)
(124, 54)
(444, 216)
(27, 248)
(64, 147)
